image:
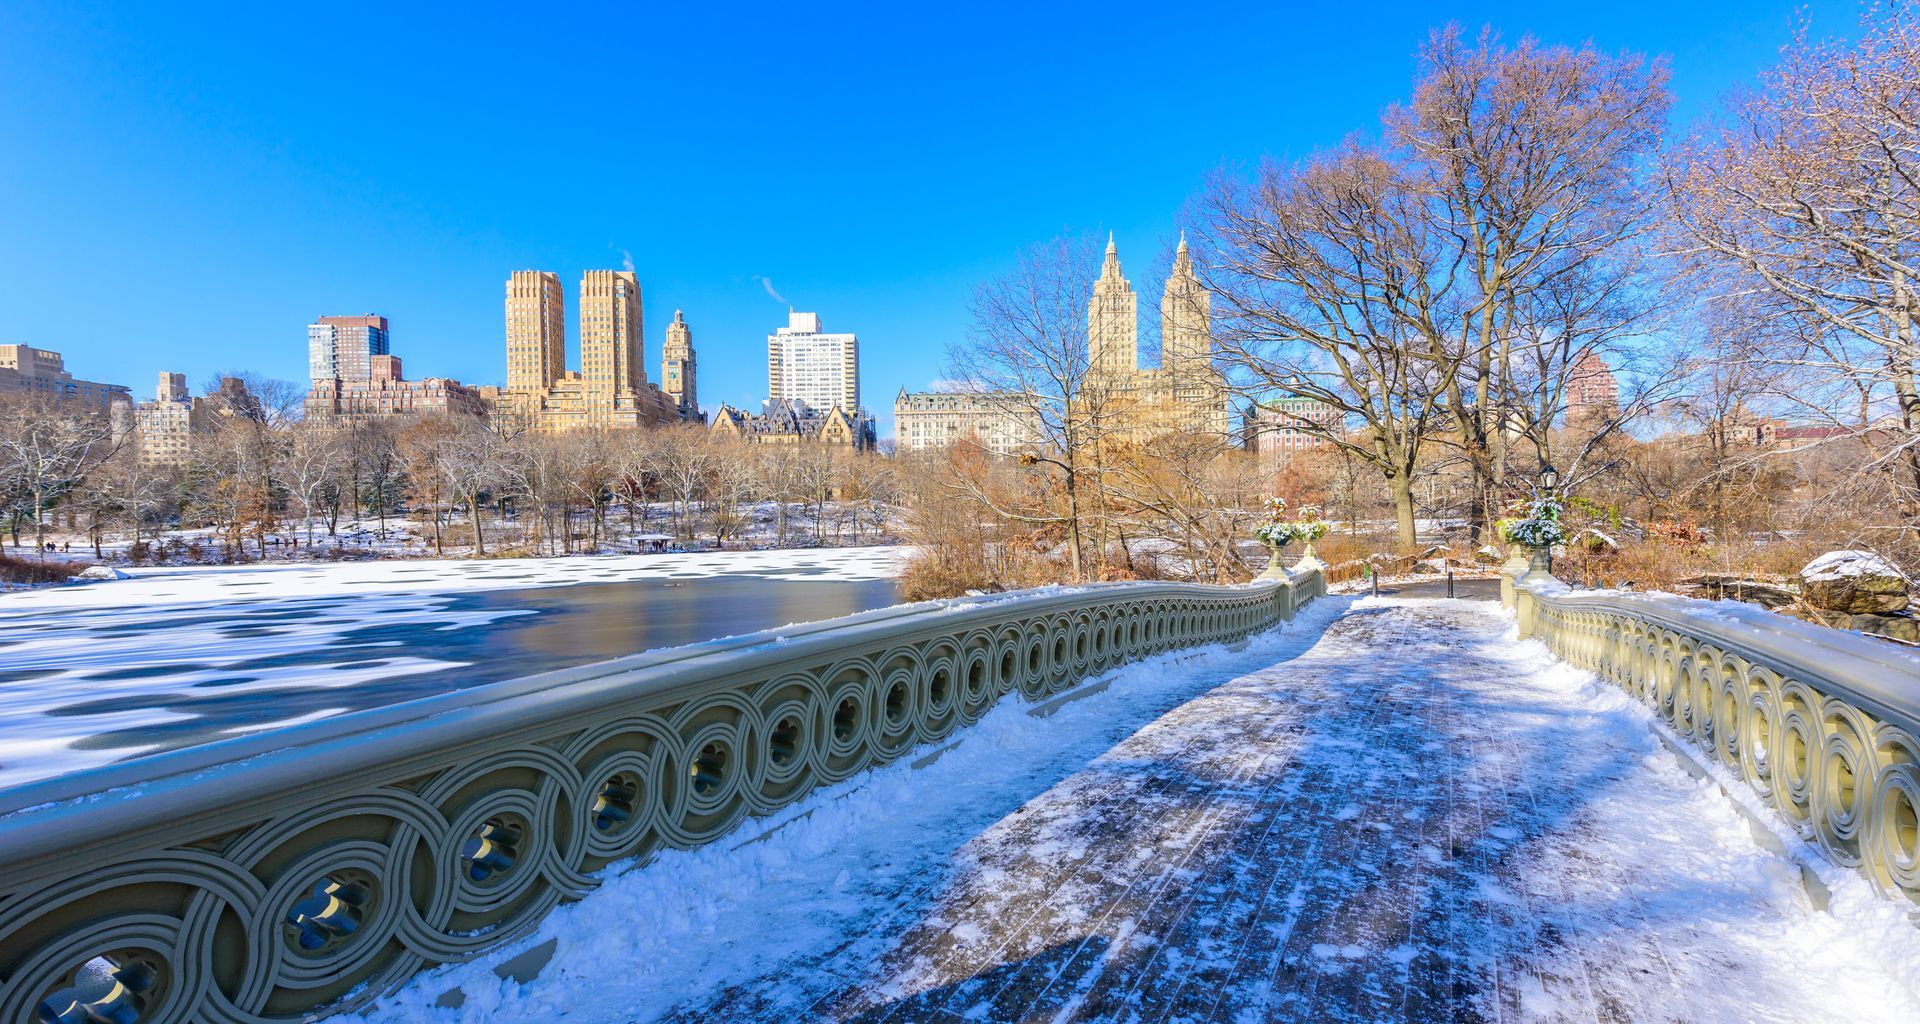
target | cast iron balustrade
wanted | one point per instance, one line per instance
(1823, 724)
(305, 870)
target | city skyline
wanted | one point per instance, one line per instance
(879, 221)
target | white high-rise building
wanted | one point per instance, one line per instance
(805, 364)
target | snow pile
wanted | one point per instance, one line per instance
(1840, 565)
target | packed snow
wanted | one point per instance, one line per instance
(86, 661)
(1844, 565)
(1392, 810)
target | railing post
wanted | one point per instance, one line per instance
(1510, 571)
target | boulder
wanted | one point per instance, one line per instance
(1595, 542)
(100, 572)
(1904, 628)
(1489, 555)
(1388, 565)
(1854, 582)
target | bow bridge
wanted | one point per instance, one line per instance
(1127, 802)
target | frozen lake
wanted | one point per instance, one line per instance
(179, 656)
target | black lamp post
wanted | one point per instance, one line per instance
(1549, 482)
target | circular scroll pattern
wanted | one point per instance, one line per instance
(333, 899)
(1838, 774)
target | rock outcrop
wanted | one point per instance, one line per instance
(1858, 590)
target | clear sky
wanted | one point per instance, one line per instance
(185, 187)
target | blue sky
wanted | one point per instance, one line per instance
(185, 187)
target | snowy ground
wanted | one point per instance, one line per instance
(399, 536)
(81, 661)
(1403, 815)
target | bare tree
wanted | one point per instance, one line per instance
(47, 450)
(312, 460)
(1805, 201)
(1028, 348)
(1532, 162)
(687, 460)
(1324, 272)
(472, 462)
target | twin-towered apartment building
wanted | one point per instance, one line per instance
(611, 389)
(1184, 396)
(356, 376)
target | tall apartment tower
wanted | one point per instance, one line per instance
(805, 364)
(342, 347)
(536, 330)
(677, 368)
(173, 388)
(1113, 323)
(1186, 318)
(611, 334)
(1592, 390)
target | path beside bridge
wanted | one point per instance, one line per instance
(1411, 819)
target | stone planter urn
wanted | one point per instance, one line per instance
(1309, 560)
(1539, 563)
(1276, 569)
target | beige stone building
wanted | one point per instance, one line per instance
(677, 370)
(166, 426)
(1185, 395)
(387, 393)
(536, 331)
(1002, 423)
(1281, 428)
(611, 389)
(36, 373)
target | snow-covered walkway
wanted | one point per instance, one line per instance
(1404, 817)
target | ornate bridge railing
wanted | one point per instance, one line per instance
(1822, 723)
(297, 872)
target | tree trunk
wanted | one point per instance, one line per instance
(40, 523)
(1075, 561)
(479, 536)
(1401, 485)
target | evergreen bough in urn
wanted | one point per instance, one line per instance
(1277, 532)
(1537, 527)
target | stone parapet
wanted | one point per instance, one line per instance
(1824, 725)
(290, 874)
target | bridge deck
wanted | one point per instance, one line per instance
(1415, 819)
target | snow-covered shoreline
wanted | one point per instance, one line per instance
(124, 656)
(148, 585)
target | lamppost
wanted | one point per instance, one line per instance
(1543, 556)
